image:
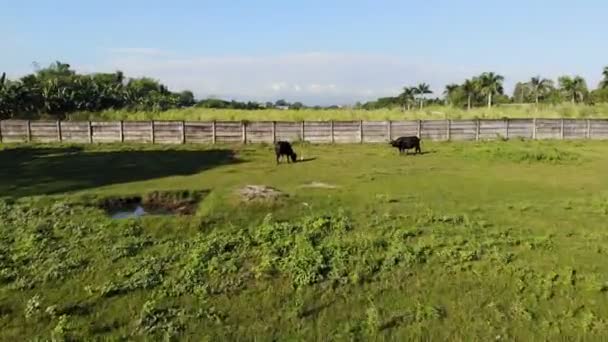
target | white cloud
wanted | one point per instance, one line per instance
(313, 78)
(139, 51)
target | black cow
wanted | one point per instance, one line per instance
(406, 143)
(283, 148)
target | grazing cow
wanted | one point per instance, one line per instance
(406, 143)
(283, 148)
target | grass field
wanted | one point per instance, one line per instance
(433, 112)
(469, 241)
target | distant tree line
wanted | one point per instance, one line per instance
(223, 104)
(58, 91)
(487, 90)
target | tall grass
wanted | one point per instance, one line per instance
(432, 112)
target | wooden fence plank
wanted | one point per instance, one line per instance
(29, 131)
(58, 130)
(359, 131)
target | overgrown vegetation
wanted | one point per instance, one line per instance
(503, 244)
(59, 92)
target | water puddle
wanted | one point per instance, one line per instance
(170, 203)
(138, 211)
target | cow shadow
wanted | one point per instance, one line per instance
(31, 171)
(412, 154)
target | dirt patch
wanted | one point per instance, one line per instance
(153, 203)
(260, 193)
(319, 185)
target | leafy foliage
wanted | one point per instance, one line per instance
(58, 90)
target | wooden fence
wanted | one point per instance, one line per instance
(181, 132)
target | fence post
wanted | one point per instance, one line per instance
(302, 132)
(507, 128)
(534, 129)
(0, 131)
(448, 125)
(29, 131)
(213, 133)
(122, 131)
(332, 132)
(419, 129)
(183, 132)
(588, 133)
(59, 138)
(361, 131)
(274, 132)
(90, 132)
(561, 131)
(477, 124)
(152, 137)
(244, 131)
(390, 130)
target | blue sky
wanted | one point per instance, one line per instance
(314, 51)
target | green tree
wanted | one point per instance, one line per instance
(407, 97)
(604, 83)
(574, 88)
(422, 90)
(470, 88)
(449, 92)
(539, 87)
(186, 99)
(522, 92)
(281, 103)
(490, 84)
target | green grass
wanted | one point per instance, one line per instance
(469, 241)
(432, 112)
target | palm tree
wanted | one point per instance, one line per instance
(539, 87)
(490, 84)
(604, 83)
(449, 91)
(574, 87)
(422, 90)
(470, 88)
(407, 97)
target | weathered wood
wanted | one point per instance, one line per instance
(183, 137)
(244, 131)
(29, 131)
(433, 129)
(182, 132)
(360, 131)
(548, 129)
